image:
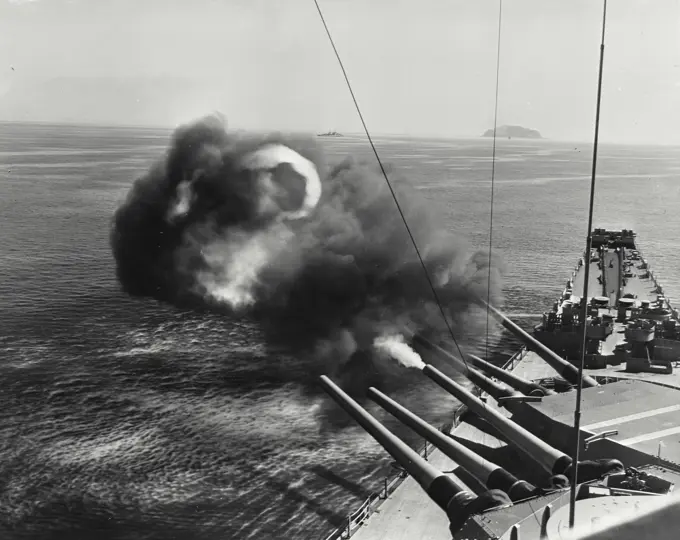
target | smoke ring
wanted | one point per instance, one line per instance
(271, 155)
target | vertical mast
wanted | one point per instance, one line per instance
(586, 277)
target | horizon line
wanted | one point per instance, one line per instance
(347, 134)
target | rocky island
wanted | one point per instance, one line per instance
(514, 131)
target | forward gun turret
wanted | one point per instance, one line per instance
(528, 388)
(486, 472)
(444, 490)
(565, 369)
(553, 461)
(494, 389)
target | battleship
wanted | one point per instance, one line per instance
(575, 437)
(509, 450)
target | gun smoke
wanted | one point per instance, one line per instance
(264, 227)
(397, 348)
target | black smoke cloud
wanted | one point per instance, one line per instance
(194, 231)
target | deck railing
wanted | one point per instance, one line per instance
(515, 358)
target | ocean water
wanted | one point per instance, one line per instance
(127, 418)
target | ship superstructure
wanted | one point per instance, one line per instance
(629, 320)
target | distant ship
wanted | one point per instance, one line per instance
(330, 134)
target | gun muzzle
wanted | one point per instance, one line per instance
(448, 494)
(551, 460)
(565, 369)
(488, 473)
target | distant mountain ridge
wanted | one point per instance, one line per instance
(514, 131)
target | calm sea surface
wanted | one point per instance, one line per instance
(126, 418)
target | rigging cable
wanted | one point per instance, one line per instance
(493, 172)
(389, 185)
(586, 277)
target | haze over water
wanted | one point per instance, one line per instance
(136, 419)
(424, 68)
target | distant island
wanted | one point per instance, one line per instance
(330, 134)
(514, 131)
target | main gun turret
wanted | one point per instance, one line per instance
(553, 461)
(444, 490)
(476, 377)
(486, 472)
(567, 370)
(520, 384)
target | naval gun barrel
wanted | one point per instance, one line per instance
(448, 494)
(521, 384)
(490, 474)
(550, 459)
(423, 473)
(559, 364)
(489, 386)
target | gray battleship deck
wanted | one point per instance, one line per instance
(647, 418)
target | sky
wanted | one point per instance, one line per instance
(417, 67)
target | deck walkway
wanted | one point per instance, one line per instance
(594, 286)
(611, 269)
